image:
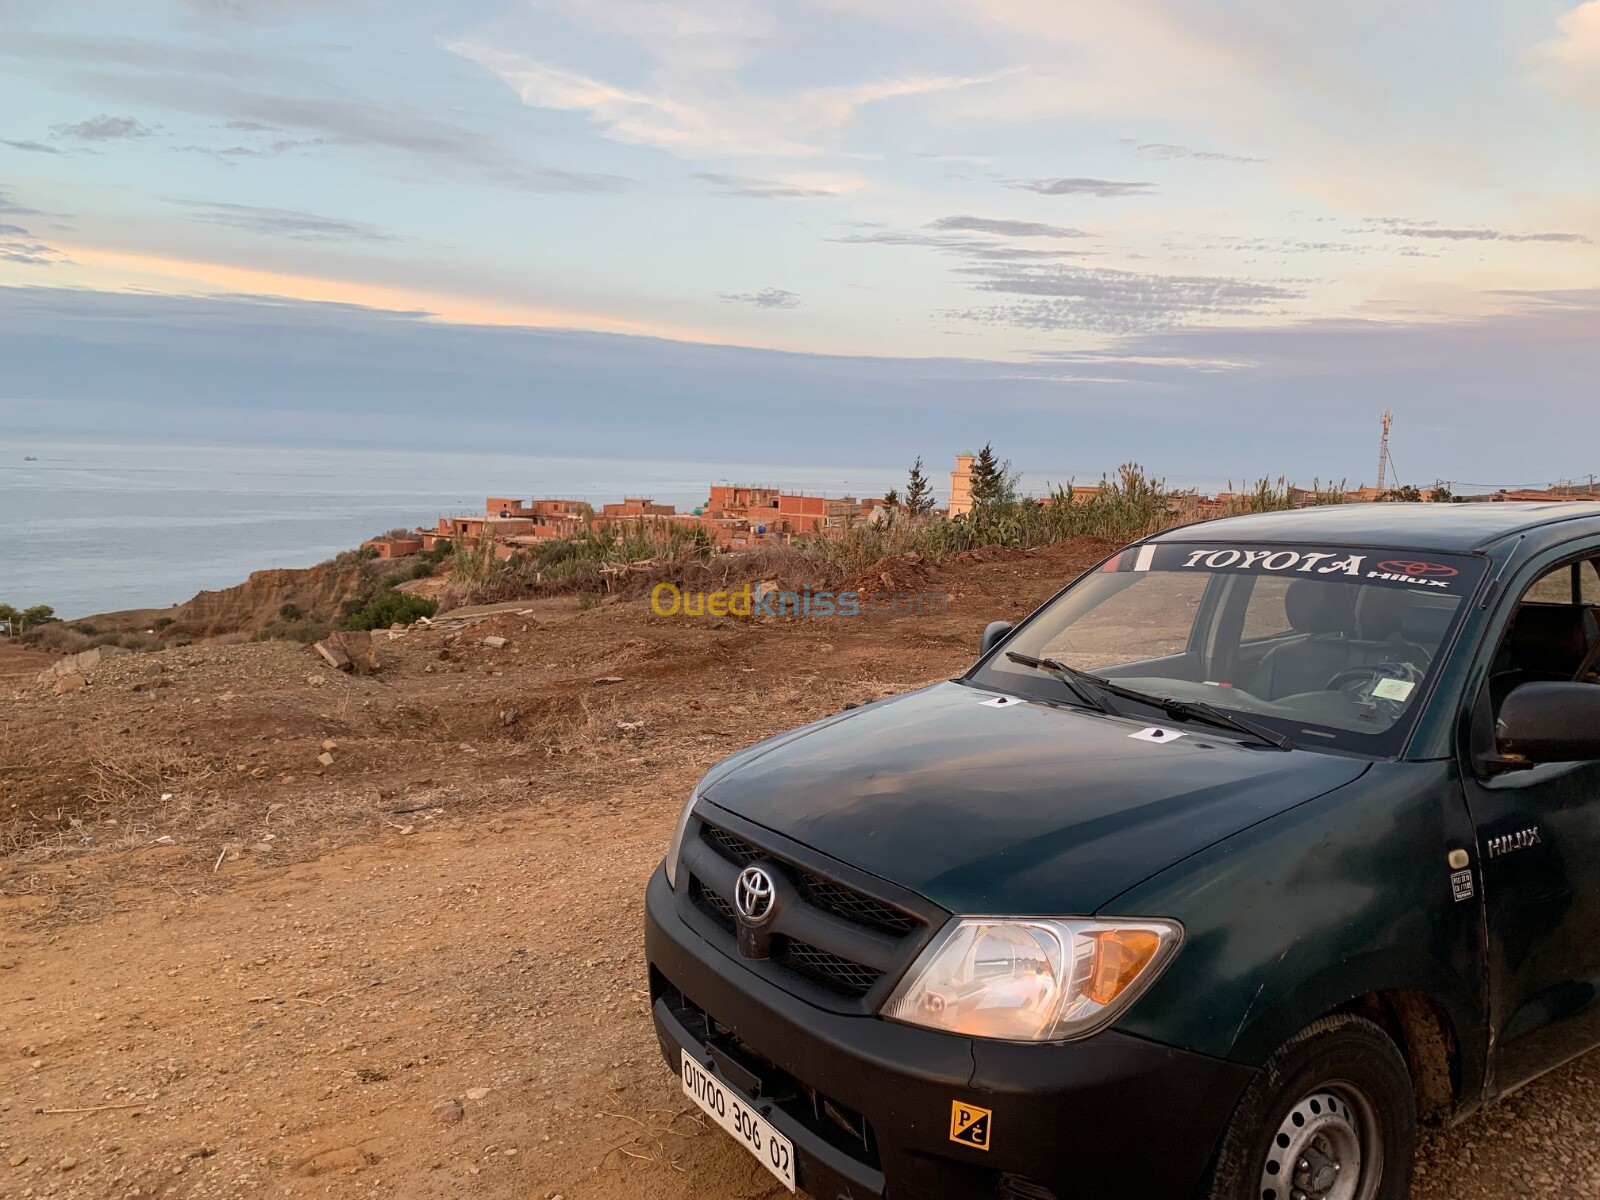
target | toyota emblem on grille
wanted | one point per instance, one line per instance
(753, 895)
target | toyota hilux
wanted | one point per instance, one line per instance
(1255, 846)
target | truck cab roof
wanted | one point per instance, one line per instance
(1459, 528)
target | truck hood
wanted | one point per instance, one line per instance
(1024, 809)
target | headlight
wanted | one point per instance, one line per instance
(1032, 980)
(676, 848)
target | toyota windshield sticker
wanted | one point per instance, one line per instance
(1404, 570)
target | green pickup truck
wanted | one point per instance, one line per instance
(1255, 846)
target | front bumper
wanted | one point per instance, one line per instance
(867, 1102)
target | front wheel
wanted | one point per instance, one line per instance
(1331, 1117)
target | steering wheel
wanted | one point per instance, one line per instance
(1353, 679)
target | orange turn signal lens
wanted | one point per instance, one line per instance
(1120, 955)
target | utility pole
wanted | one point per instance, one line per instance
(1383, 450)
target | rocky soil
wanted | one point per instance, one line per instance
(270, 930)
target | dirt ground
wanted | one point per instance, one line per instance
(228, 969)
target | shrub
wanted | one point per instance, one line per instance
(389, 607)
(290, 612)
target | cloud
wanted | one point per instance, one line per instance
(789, 188)
(1569, 63)
(1102, 300)
(10, 206)
(104, 129)
(16, 246)
(1166, 150)
(707, 115)
(766, 298)
(1005, 228)
(977, 249)
(1082, 187)
(220, 86)
(282, 222)
(31, 147)
(1433, 230)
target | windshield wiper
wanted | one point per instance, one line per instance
(1081, 681)
(1078, 682)
(1195, 710)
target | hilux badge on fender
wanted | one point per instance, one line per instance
(753, 895)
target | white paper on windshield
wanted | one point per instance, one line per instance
(1393, 689)
(1156, 734)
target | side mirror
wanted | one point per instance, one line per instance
(1550, 722)
(993, 634)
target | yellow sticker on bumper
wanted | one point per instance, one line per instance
(970, 1125)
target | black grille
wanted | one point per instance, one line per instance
(853, 906)
(824, 893)
(730, 846)
(713, 904)
(851, 978)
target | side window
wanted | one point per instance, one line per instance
(1589, 582)
(1264, 614)
(1553, 587)
(1553, 630)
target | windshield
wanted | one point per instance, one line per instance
(1332, 646)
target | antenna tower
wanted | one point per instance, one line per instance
(1383, 449)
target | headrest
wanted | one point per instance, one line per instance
(1318, 606)
(1550, 638)
(1380, 612)
(1425, 624)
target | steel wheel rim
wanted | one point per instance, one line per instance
(1327, 1147)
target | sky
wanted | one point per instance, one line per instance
(1216, 237)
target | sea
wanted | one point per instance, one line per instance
(90, 528)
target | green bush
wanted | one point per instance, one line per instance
(389, 607)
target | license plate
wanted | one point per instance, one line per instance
(724, 1106)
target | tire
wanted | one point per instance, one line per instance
(1338, 1092)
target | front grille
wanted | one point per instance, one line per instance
(859, 941)
(730, 846)
(851, 978)
(713, 904)
(824, 893)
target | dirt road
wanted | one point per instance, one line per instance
(278, 1002)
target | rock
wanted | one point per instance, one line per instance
(477, 1093)
(83, 661)
(66, 1164)
(325, 759)
(495, 643)
(606, 680)
(329, 744)
(68, 683)
(315, 680)
(448, 1112)
(358, 648)
(334, 656)
(164, 840)
(497, 826)
(16, 1160)
(262, 847)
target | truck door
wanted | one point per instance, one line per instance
(1538, 840)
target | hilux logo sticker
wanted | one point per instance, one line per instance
(1422, 570)
(969, 1124)
(1508, 843)
(1314, 562)
(1418, 574)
